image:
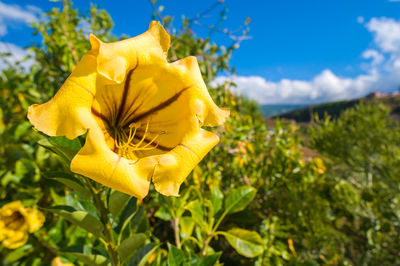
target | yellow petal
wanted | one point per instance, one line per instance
(35, 219)
(173, 167)
(207, 111)
(115, 59)
(2, 230)
(67, 112)
(15, 239)
(9, 208)
(96, 161)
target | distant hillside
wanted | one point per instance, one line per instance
(335, 108)
(278, 109)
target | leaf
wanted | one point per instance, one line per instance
(21, 129)
(196, 210)
(210, 260)
(187, 225)
(71, 182)
(143, 254)
(90, 259)
(117, 202)
(129, 246)
(246, 243)
(18, 253)
(175, 256)
(72, 144)
(163, 213)
(61, 146)
(86, 254)
(216, 198)
(127, 214)
(80, 218)
(239, 198)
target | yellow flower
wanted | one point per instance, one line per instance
(16, 222)
(142, 114)
(320, 167)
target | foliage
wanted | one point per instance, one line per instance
(363, 146)
(258, 198)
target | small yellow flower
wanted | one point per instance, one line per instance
(320, 165)
(142, 114)
(16, 222)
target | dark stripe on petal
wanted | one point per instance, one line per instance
(126, 90)
(99, 115)
(157, 108)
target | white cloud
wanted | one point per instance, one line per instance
(14, 13)
(386, 33)
(376, 57)
(16, 54)
(382, 73)
(326, 86)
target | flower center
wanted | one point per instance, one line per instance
(133, 138)
(14, 221)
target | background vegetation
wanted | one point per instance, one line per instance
(259, 198)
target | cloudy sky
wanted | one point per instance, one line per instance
(301, 52)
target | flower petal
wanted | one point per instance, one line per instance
(115, 59)
(34, 218)
(173, 167)
(67, 112)
(207, 111)
(96, 161)
(11, 207)
(15, 239)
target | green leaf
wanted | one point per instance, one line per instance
(71, 182)
(210, 260)
(163, 213)
(239, 198)
(127, 214)
(216, 198)
(117, 202)
(196, 210)
(143, 254)
(246, 243)
(21, 129)
(129, 246)
(72, 144)
(175, 256)
(19, 253)
(186, 225)
(91, 259)
(80, 218)
(61, 146)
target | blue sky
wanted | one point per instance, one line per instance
(300, 52)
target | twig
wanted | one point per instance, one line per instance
(65, 31)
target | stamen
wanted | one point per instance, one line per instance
(144, 136)
(124, 140)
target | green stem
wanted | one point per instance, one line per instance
(212, 234)
(203, 251)
(175, 225)
(219, 221)
(108, 231)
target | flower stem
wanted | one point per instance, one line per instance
(108, 231)
(203, 251)
(175, 225)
